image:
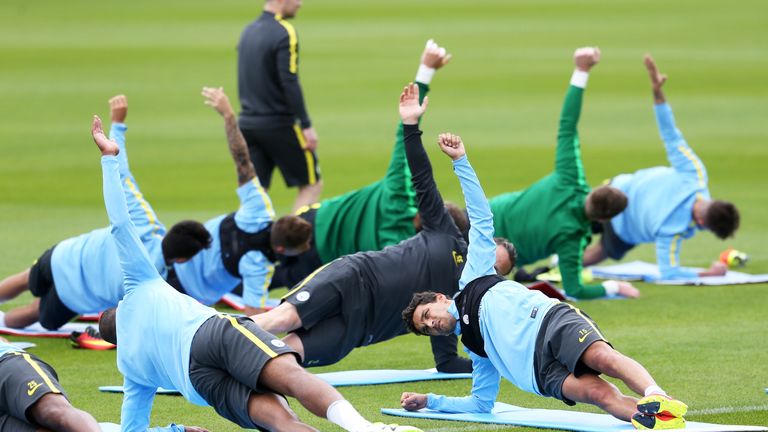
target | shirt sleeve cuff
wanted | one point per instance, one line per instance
(611, 287)
(579, 78)
(425, 74)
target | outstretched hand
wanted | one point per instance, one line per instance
(657, 79)
(435, 56)
(413, 401)
(216, 98)
(585, 58)
(451, 145)
(106, 145)
(410, 110)
(118, 108)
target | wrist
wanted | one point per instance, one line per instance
(425, 74)
(411, 121)
(579, 78)
(611, 287)
(459, 158)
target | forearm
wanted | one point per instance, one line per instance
(568, 153)
(238, 148)
(117, 134)
(466, 404)
(430, 203)
(570, 263)
(668, 259)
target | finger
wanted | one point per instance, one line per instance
(447, 58)
(425, 103)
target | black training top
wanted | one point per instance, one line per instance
(267, 75)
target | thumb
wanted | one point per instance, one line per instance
(425, 103)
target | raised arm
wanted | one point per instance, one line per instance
(434, 217)
(568, 163)
(679, 153)
(134, 260)
(288, 73)
(481, 256)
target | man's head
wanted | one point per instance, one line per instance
(184, 240)
(428, 315)
(722, 218)
(506, 256)
(108, 325)
(290, 235)
(603, 203)
(284, 8)
(458, 215)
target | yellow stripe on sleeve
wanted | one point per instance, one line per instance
(252, 337)
(292, 42)
(307, 154)
(696, 163)
(265, 288)
(304, 282)
(140, 198)
(264, 196)
(40, 372)
(673, 249)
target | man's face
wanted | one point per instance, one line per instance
(290, 8)
(282, 250)
(503, 263)
(433, 319)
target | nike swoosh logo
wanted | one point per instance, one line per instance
(31, 391)
(581, 339)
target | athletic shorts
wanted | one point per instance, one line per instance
(285, 148)
(225, 362)
(53, 312)
(24, 379)
(566, 332)
(614, 247)
(332, 305)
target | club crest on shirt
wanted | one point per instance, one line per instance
(465, 318)
(277, 342)
(302, 296)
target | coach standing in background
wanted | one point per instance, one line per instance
(274, 119)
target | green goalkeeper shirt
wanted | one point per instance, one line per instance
(548, 217)
(373, 217)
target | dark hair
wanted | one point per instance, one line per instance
(459, 216)
(291, 232)
(511, 251)
(418, 299)
(185, 239)
(108, 325)
(722, 218)
(605, 202)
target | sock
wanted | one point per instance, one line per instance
(342, 413)
(654, 389)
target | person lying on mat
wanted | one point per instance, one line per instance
(80, 275)
(539, 344)
(666, 204)
(31, 397)
(356, 300)
(168, 339)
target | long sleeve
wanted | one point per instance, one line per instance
(257, 274)
(485, 388)
(134, 260)
(680, 155)
(568, 163)
(137, 406)
(668, 259)
(431, 208)
(481, 256)
(256, 208)
(569, 252)
(117, 134)
(447, 359)
(288, 72)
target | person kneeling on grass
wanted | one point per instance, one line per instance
(539, 344)
(168, 339)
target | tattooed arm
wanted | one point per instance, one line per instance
(216, 98)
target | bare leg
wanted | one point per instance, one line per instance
(23, 316)
(308, 194)
(294, 342)
(594, 390)
(12, 286)
(54, 412)
(594, 254)
(283, 375)
(281, 319)
(604, 359)
(272, 412)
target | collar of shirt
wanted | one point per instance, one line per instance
(455, 312)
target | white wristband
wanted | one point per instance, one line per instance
(579, 78)
(611, 287)
(425, 74)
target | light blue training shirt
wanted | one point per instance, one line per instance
(204, 276)
(6, 348)
(155, 323)
(509, 331)
(661, 199)
(85, 268)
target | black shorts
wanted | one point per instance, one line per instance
(566, 332)
(332, 304)
(614, 247)
(53, 313)
(225, 362)
(284, 147)
(24, 379)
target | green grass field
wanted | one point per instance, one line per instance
(61, 61)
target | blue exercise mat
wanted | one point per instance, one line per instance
(119, 389)
(554, 419)
(386, 376)
(639, 270)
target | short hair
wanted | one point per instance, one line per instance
(459, 216)
(424, 297)
(605, 202)
(510, 248)
(108, 325)
(290, 232)
(722, 218)
(185, 239)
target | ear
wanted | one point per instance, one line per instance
(441, 297)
